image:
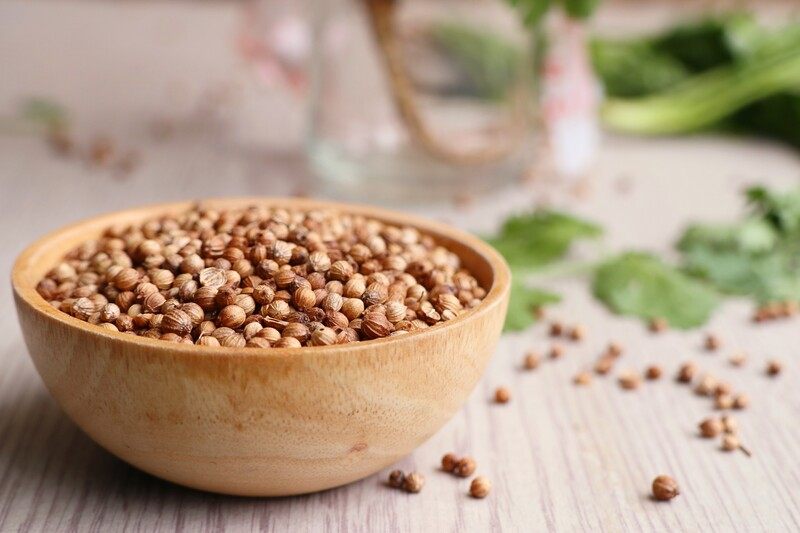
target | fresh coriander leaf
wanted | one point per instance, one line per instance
(523, 303)
(44, 112)
(782, 210)
(531, 11)
(641, 284)
(536, 239)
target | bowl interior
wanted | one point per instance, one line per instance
(485, 264)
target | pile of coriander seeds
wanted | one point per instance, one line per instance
(262, 277)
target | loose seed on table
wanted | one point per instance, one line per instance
(665, 488)
(397, 479)
(532, 360)
(582, 378)
(741, 401)
(706, 385)
(774, 367)
(556, 329)
(723, 401)
(604, 364)
(658, 325)
(738, 359)
(502, 395)
(687, 372)
(653, 372)
(712, 342)
(730, 443)
(465, 467)
(556, 351)
(413, 482)
(729, 424)
(614, 349)
(480, 487)
(577, 333)
(449, 462)
(629, 380)
(710, 428)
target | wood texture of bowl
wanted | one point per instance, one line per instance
(260, 422)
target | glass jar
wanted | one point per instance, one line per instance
(418, 99)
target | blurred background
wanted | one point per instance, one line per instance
(412, 103)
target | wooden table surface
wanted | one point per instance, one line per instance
(561, 458)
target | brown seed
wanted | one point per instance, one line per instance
(738, 359)
(465, 467)
(287, 342)
(629, 380)
(531, 360)
(712, 342)
(710, 428)
(304, 298)
(556, 351)
(502, 395)
(653, 372)
(729, 424)
(706, 385)
(723, 387)
(577, 333)
(449, 462)
(413, 482)
(614, 349)
(730, 443)
(687, 372)
(556, 329)
(323, 337)
(177, 322)
(723, 401)
(232, 316)
(582, 378)
(480, 487)
(741, 401)
(604, 364)
(665, 488)
(396, 479)
(658, 325)
(207, 340)
(375, 326)
(774, 367)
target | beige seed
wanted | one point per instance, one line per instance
(480, 487)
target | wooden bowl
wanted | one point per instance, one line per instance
(259, 422)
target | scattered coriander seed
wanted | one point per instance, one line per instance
(465, 467)
(653, 372)
(556, 351)
(665, 488)
(738, 359)
(577, 333)
(480, 487)
(449, 462)
(774, 367)
(556, 329)
(629, 380)
(706, 385)
(658, 325)
(532, 360)
(502, 395)
(723, 401)
(729, 424)
(582, 378)
(730, 443)
(741, 401)
(710, 428)
(712, 342)
(413, 482)
(687, 372)
(604, 364)
(614, 349)
(396, 479)
(722, 387)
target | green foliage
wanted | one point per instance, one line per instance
(45, 113)
(532, 11)
(758, 256)
(536, 239)
(523, 304)
(643, 285)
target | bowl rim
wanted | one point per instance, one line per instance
(25, 289)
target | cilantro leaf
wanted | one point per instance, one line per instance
(641, 284)
(533, 240)
(523, 303)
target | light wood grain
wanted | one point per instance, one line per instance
(561, 458)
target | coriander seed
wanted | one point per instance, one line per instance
(730, 443)
(729, 424)
(396, 479)
(413, 482)
(582, 378)
(658, 325)
(531, 360)
(556, 351)
(449, 462)
(665, 488)
(712, 342)
(773, 367)
(465, 467)
(710, 428)
(502, 395)
(577, 333)
(653, 372)
(687, 372)
(480, 487)
(629, 380)
(741, 401)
